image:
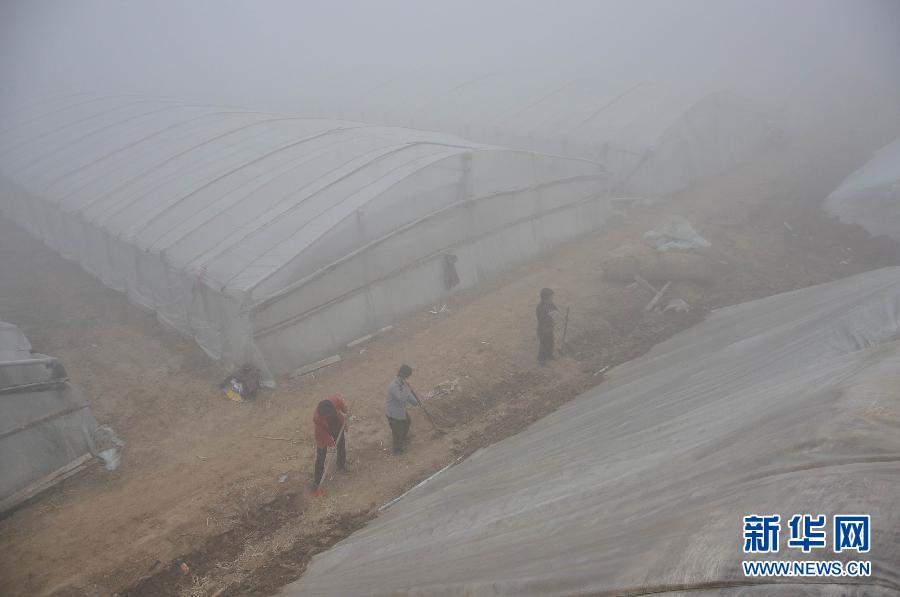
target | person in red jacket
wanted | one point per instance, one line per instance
(330, 418)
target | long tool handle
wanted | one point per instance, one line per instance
(424, 410)
(318, 489)
(562, 343)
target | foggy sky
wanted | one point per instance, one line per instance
(263, 54)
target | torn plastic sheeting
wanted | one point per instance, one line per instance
(675, 234)
(642, 482)
(677, 306)
(111, 456)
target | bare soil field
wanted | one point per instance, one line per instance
(199, 480)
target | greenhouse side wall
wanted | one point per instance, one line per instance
(180, 300)
(295, 328)
(59, 441)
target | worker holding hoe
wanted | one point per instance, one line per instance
(399, 395)
(330, 421)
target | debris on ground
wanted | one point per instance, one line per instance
(367, 337)
(677, 306)
(281, 439)
(316, 366)
(675, 233)
(443, 388)
(658, 297)
(642, 283)
(436, 311)
(666, 269)
(656, 294)
(112, 455)
(600, 371)
(242, 385)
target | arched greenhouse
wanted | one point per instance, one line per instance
(276, 239)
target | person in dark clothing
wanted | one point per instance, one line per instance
(451, 276)
(329, 420)
(399, 395)
(545, 324)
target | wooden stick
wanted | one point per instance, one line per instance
(641, 281)
(306, 369)
(658, 296)
(50, 480)
(424, 410)
(283, 439)
(318, 490)
(562, 343)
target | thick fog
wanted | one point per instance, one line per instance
(284, 55)
(289, 184)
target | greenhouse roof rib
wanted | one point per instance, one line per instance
(232, 193)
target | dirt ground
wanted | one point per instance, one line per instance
(199, 481)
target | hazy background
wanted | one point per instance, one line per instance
(273, 54)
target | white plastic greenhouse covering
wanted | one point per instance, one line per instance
(870, 196)
(653, 139)
(46, 426)
(784, 405)
(275, 239)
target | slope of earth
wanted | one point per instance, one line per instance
(200, 475)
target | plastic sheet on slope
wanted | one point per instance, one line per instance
(782, 405)
(870, 196)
